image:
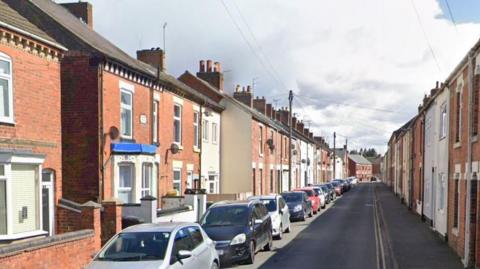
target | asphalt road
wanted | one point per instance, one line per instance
(366, 228)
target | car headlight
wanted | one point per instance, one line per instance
(238, 239)
(297, 208)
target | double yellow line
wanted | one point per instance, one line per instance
(380, 250)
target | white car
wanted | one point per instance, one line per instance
(158, 246)
(278, 211)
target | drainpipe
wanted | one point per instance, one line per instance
(101, 137)
(469, 246)
(200, 144)
(422, 174)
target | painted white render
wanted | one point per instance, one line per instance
(235, 152)
(339, 168)
(310, 163)
(436, 162)
(303, 163)
(210, 155)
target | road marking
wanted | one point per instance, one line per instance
(378, 234)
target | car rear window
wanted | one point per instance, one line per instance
(292, 197)
(230, 215)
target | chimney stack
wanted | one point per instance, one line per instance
(270, 111)
(212, 74)
(260, 105)
(154, 57)
(81, 10)
(243, 96)
(300, 126)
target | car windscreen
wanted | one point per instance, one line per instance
(318, 191)
(271, 204)
(225, 216)
(325, 188)
(136, 246)
(292, 197)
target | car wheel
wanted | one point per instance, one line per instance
(280, 233)
(304, 216)
(214, 265)
(251, 254)
(269, 245)
(310, 214)
(288, 229)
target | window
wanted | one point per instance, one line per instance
(126, 182)
(196, 235)
(443, 121)
(6, 92)
(458, 116)
(271, 180)
(177, 180)
(214, 133)
(126, 113)
(205, 130)
(147, 179)
(254, 181)
(177, 124)
(183, 241)
(476, 95)
(211, 183)
(260, 181)
(260, 140)
(155, 122)
(3, 201)
(456, 206)
(196, 137)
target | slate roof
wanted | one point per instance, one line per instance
(10, 18)
(359, 159)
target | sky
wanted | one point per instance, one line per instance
(357, 68)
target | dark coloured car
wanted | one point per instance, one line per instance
(298, 205)
(239, 229)
(332, 191)
(337, 187)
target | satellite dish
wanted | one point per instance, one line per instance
(114, 133)
(174, 148)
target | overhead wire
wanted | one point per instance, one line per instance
(451, 15)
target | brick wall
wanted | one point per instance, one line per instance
(80, 128)
(71, 250)
(417, 160)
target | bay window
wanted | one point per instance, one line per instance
(126, 172)
(147, 177)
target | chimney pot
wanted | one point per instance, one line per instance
(248, 88)
(202, 66)
(209, 65)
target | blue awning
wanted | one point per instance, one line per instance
(133, 148)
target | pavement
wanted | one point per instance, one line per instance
(366, 228)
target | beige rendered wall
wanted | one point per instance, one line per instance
(235, 151)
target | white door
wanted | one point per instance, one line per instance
(47, 201)
(441, 204)
(285, 181)
(189, 179)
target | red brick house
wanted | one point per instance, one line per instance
(128, 127)
(360, 167)
(30, 128)
(417, 163)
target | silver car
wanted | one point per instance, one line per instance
(158, 246)
(278, 211)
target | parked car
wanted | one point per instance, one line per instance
(161, 245)
(354, 180)
(333, 194)
(312, 197)
(337, 187)
(298, 205)
(327, 192)
(239, 229)
(278, 211)
(343, 184)
(322, 195)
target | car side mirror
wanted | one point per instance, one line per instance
(93, 254)
(184, 254)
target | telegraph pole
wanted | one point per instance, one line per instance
(290, 100)
(334, 155)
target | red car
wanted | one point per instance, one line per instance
(313, 197)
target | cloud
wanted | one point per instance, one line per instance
(359, 68)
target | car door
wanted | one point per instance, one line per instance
(201, 250)
(308, 204)
(267, 222)
(258, 228)
(183, 241)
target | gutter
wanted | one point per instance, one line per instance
(23, 32)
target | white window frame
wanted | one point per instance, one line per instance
(260, 140)
(7, 160)
(155, 107)
(196, 132)
(9, 79)
(127, 107)
(214, 133)
(179, 181)
(443, 121)
(179, 119)
(132, 187)
(205, 132)
(144, 191)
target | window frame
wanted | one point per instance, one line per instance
(9, 78)
(205, 131)
(179, 119)
(179, 181)
(144, 191)
(214, 133)
(123, 106)
(132, 181)
(443, 121)
(155, 125)
(196, 130)
(260, 140)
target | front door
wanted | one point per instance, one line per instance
(190, 180)
(47, 201)
(440, 204)
(285, 186)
